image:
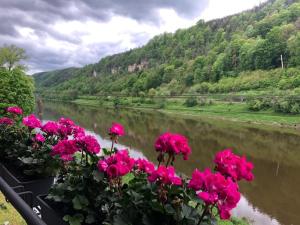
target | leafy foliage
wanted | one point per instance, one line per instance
(10, 57)
(16, 88)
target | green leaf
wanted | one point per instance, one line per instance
(169, 209)
(120, 220)
(77, 219)
(90, 219)
(105, 151)
(79, 202)
(127, 178)
(98, 176)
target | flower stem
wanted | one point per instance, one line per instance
(112, 147)
(81, 157)
(169, 160)
(203, 214)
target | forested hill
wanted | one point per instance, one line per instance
(237, 53)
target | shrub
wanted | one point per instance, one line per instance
(258, 104)
(288, 104)
(190, 102)
(16, 88)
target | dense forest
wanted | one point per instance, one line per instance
(258, 50)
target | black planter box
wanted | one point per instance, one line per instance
(38, 186)
(48, 214)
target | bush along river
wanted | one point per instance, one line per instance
(273, 196)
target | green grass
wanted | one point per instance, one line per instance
(9, 214)
(221, 110)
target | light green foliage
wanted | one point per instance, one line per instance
(10, 57)
(16, 88)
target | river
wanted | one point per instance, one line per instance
(272, 198)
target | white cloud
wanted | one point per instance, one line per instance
(222, 8)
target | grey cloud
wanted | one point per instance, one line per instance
(39, 15)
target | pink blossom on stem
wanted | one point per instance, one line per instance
(215, 189)
(173, 144)
(32, 122)
(117, 130)
(119, 164)
(15, 110)
(39, 138)
(165, 175)
(6, 120)
(51, 128)
(65, 149)
(233, 166)
(88, 143)
(144, 165)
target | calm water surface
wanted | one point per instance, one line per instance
(272, 198)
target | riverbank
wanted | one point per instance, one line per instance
(220, 110)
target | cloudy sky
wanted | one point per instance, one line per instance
(63, 33)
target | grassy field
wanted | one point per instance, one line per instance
(221, 110)
(8, 215)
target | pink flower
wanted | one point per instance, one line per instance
(65, 149)
(88, 143)
(144, 166)
(214, 188)
(6, 120)
(112, 171)
(66, 122)
(165, 175)
(197, 180)
(15, 110)
(66, 127)
(39, 138)
(173, 144)
(50, 128)
(32, 122)
(116, 165)
(233, 166)
(78, 131)
(117, 129)
(102, 166)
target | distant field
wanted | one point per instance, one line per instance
(223, 110)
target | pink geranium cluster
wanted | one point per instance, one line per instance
(39, 138)
(88, 143)
(65, 127)
(65, 149)
(50, 128)
(119, 164)
(165, 175)
(215, 189)
(234, 166)
(32, 122)
(15, 110)
(117, 130)
(144, 165)
(173, 144)
(6, 121)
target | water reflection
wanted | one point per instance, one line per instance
(273, 197)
